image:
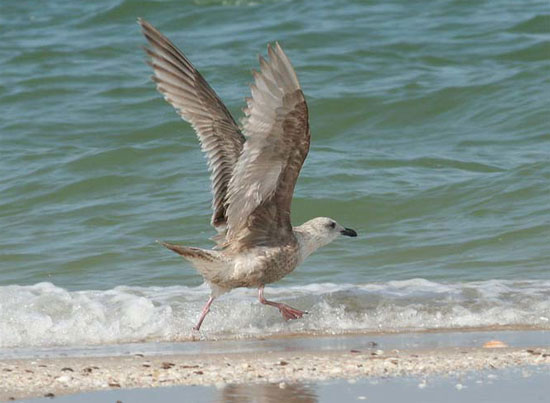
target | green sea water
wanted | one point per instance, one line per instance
(430, 137)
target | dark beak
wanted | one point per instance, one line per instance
(348, 232)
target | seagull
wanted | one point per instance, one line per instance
(253, 168)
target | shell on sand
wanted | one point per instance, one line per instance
(494, 344)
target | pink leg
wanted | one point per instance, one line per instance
(205, 310)
(287, 311)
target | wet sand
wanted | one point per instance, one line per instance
(499, 386)
(277, 362)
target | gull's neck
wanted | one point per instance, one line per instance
(307, 242)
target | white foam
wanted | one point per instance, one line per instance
(44, 315)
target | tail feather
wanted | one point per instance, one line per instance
(191, 253)
(210, 263)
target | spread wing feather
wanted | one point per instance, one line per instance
(197, 103)
(277, 142)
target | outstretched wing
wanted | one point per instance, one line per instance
(197, 103)
(277, 131)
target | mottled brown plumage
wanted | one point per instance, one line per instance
(185, 88)
(254, 171)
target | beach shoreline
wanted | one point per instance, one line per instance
(55, 375)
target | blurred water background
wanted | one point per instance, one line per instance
(430, 137)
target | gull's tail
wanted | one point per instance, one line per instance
(190, 253)
(209, 263)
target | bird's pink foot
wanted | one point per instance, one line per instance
(289, 312)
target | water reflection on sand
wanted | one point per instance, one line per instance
(267, 393)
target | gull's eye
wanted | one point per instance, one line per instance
(332, 225)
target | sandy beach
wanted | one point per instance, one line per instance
(61, 375)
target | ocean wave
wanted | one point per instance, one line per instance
(44, 315)
(533, 53)
(429, 131)
(538, 24)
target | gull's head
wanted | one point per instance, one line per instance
(319, 232)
